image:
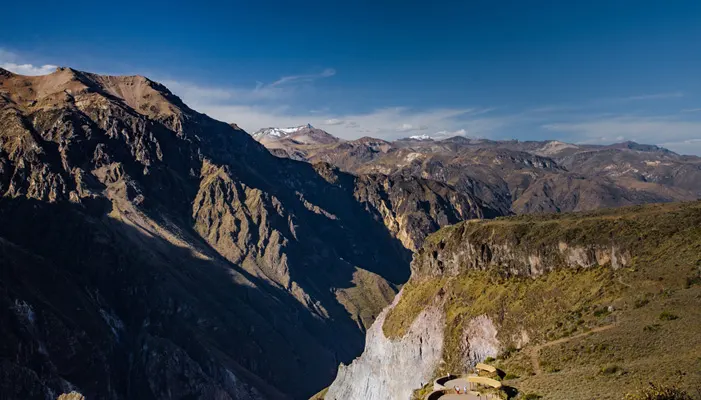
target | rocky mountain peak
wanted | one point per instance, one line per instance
(303, 134)
(420, 137)
(631, 145)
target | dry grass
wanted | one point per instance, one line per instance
(654, 304)
(367, 297)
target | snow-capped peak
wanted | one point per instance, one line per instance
(420, 137)
(280, 132)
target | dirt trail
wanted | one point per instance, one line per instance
(535, 350)
(620, 280)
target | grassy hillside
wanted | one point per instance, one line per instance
(643, 318)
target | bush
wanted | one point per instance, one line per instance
(692, 280)
(602, 312)
(652, 328)
(489, 359)
(611, 370)
(654, 392)
(667, 316)
(510, 376)
(507, 352)
(532, 396)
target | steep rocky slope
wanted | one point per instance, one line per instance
(523, 177)
(570, 306)
(151, 252)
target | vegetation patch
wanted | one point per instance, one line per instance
(605, 322)
(668, 316)
(415, 297)
(612, 369)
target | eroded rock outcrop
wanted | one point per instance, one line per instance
(393, 369)
(510, 249)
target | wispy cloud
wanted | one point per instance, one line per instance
(604, 102)
(411, 128)
(449, 134)
(285, 80)
(691, 110)
(10, 61)
(674, 133)
(280, 90)
(655, 96)
(198, 95)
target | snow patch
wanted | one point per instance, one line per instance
(280, 132)
(420, 137)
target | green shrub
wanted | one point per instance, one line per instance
(652, 328)
(507, 352)
(654, 392)
(602, 312)
(489, 359)
(668, 316)
(510, 376)
(611, 370)
(692, 280)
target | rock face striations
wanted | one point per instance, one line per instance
(148, 251)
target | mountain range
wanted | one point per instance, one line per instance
(148, 251)
(514, 176)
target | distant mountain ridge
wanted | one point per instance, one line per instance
(508, 174)
(303, 134)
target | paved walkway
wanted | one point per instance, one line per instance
(461, 383)
(535, 350)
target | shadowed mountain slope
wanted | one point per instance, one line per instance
(152, 252)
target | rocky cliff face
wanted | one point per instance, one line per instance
(393, 369)
(411, 208)
(152, 252)
(495, 288)
(469, 247)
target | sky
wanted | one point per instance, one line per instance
(597, 71)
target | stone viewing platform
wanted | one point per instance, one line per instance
(467, 387)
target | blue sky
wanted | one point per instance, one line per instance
(579, 71)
